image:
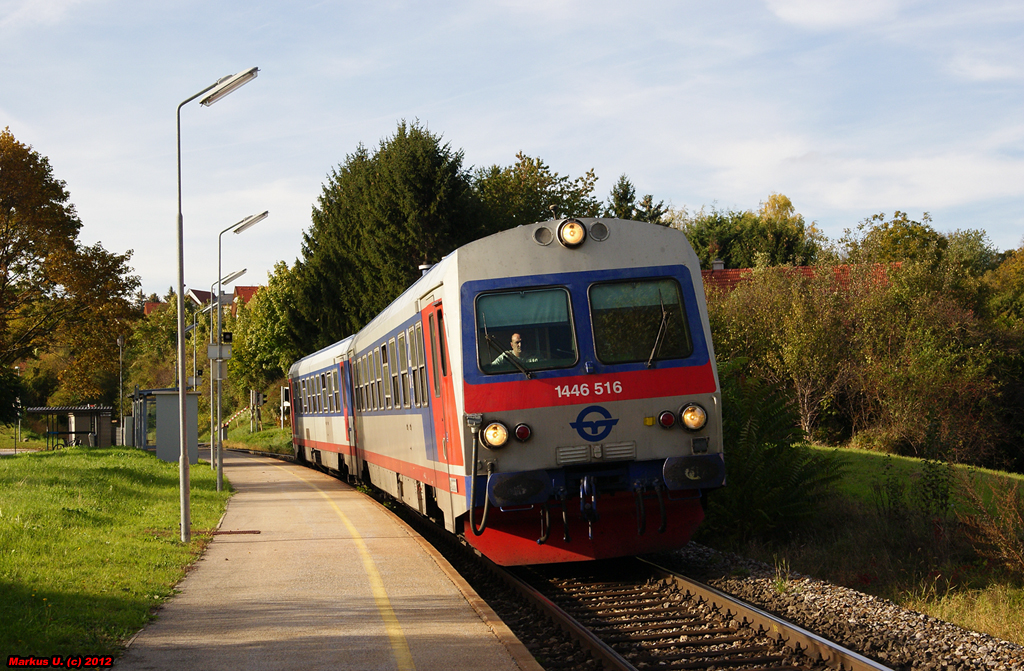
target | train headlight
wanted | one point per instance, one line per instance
(495, 435)
(572, 233)
(694, 417)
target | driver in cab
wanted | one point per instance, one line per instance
(517, 353)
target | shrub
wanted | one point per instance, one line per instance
(772, 484)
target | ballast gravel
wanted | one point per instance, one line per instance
(899, 638)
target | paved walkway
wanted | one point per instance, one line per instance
(332, 581)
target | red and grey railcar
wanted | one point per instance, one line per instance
(596, 439)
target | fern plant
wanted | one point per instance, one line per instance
(772, 483)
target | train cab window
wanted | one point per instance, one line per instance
(536, 320)
(639, 320)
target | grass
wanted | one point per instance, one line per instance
(30, 440)
(278, 441)
(893, 531)
(90, 544)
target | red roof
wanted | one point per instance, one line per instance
(150, 307)
(246, 293)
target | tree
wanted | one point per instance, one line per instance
(55, 294)
(38, 228)
(528, 191)
(622, 204)
(262, 351)
(877, 240)
(378, 217)
(775, 235)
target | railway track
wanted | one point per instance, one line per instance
(634, 615)
(630, 614)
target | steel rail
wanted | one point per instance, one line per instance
(791, 635)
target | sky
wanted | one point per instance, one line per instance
(848, 107)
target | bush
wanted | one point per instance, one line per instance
(772, 484)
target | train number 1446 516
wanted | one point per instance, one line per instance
(585, 389)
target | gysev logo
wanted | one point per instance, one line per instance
(593, 430)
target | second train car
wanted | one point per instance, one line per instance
(550, 392)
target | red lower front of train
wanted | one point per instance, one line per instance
(619, 526)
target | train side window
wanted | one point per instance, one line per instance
(421, 365)
(403, 362)
(363, 384)
(639, 321)
(386, 374)
(357, 394)
(332, 389)
(442, 348)
(325, 405)
(380, 377)
(318, 391)
(305, 396)
(367, 403)
(433, 356)
(396, 393)
(336, 383)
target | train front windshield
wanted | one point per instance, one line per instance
(534, 322)
(639, 320)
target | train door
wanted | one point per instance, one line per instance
(442, 393)
(348, 411)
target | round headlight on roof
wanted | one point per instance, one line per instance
(495, 435)
(572, 233)
(694, 417)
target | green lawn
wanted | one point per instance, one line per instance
(893, 530)
(90, 543)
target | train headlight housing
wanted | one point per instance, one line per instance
(522, 432)
(495, 436)
(694, 417)
(572, 233)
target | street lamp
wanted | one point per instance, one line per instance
(214, 92)
(242, 225)
(227, 279)
(120, 384)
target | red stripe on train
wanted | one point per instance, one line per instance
(523, 393)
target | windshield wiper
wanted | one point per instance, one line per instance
(662, 328)
(509, 356)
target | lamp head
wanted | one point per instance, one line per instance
(226, 85)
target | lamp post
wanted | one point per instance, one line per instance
(242, 225)
(213, 93)
(120, 385)
(213, 417)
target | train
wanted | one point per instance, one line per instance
(548, 392)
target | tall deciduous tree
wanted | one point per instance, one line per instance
(775, 235)
(38, 229)
(529, 191)
(55, 294)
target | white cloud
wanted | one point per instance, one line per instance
(987, 64)
(15, 13)
(832, 14)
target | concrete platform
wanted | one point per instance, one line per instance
(332, 581)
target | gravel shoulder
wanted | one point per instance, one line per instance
(874, 627)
